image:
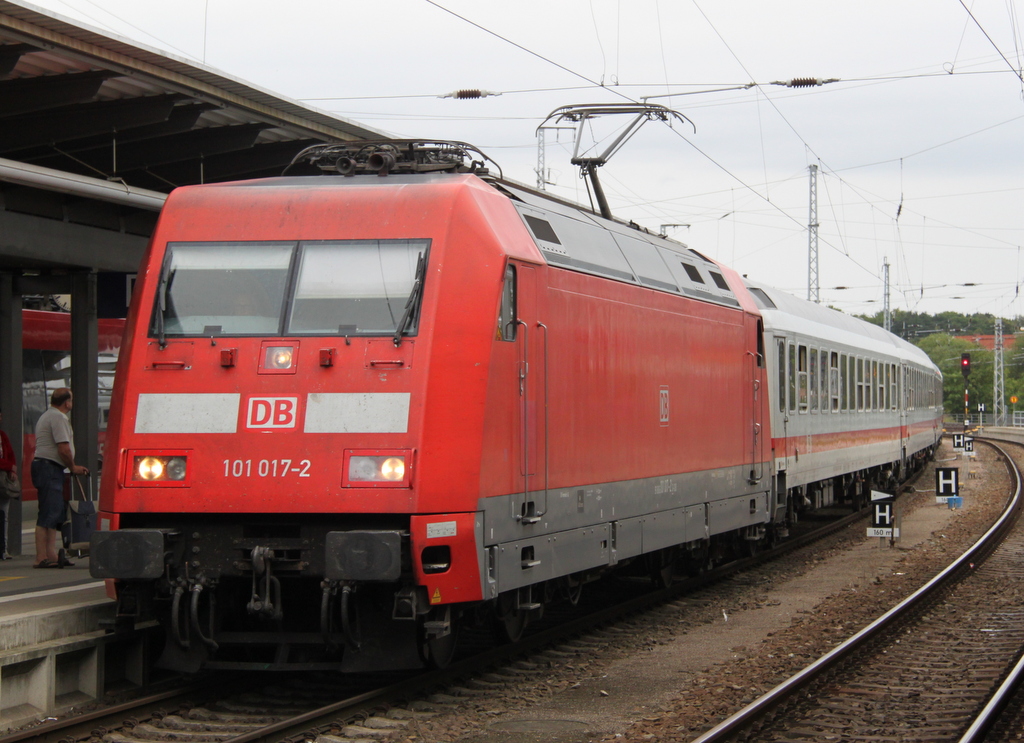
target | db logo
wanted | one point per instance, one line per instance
(272, 412)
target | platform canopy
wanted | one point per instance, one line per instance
(95, 130)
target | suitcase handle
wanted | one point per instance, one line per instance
(81, 489)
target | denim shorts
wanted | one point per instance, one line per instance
(48, 477)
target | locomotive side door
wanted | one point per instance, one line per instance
(532, 341)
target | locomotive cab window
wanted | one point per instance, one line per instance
(507, 312)
(222, 289)
(350, 287)
(358, 287)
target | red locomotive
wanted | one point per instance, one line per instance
(356, 410)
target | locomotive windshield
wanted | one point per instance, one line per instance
(343, 287)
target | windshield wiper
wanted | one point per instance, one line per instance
(410, 304)
(161, 309)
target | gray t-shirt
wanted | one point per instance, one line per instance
(52, 428)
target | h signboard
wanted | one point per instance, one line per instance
(947, 483)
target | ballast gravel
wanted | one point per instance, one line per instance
(679, 670)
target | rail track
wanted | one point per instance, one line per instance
(922, 671)
(279, 707)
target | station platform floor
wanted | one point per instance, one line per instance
(19, 579)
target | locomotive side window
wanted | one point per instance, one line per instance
(693, 273)
(222, 289)
(358, 287)
(507, 312)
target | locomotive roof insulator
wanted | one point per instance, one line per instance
(382, 157)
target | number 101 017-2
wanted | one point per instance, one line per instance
(266, 467)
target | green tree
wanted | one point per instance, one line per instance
(945, 351)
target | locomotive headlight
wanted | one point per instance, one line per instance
(393, 468)
(376, 469)
(176, 469)
(278, 357)
(149, 468)
(168, 468)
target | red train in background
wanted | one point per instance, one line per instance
(46, 365)
(355, 411)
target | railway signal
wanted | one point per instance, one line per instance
(965, 364)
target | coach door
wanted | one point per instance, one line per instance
(532, 397)
(903, 402)
(785, 373)
(754, 403)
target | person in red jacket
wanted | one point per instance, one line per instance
(7, 464)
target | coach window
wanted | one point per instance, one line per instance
(814, 380)
(843, 381)
(802, 377)
(881, 385)
(792, 377)
(833, 381)
(871, 398)
(825, 383)
(507, 313)
(893, 385)
(860, 383)
(782, 376)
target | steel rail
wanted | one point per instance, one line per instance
(1010, 686)
(784, 691)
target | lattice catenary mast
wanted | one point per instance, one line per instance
(998, 405)
(886, 312)
(813, 290)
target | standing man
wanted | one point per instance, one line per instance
(55, 450)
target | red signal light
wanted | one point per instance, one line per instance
(965, 364)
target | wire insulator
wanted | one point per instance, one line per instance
(469, 94)
(803, 82)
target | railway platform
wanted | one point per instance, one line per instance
(55, 653)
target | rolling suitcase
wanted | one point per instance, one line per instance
(81, 520)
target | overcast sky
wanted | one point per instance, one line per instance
(919, 143)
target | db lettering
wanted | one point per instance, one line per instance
(272, 412)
